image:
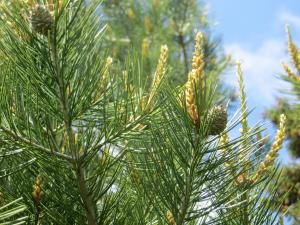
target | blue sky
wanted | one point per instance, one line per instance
(253, 31)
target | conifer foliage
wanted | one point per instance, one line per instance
(145, 24)
(86, 139)
(290, 177)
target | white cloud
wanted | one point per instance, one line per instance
(261, 66)
(289, 18)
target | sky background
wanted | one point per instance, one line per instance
(253, 31)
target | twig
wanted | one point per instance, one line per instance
(35, 145)
(86, 197)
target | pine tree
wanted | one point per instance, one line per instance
(88, 139)
(145, 24)
(291, 108)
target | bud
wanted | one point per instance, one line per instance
(155, 4)
(241, 179)
(148, 24)
(170, 218)
(37, 191)
(41, 19)
(130, 13)
(136, 177)
(273, 153)
(145, 47)
(217, 120)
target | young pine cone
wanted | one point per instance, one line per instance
(41, 19)
(217, 120)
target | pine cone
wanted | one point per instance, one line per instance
(41, 19)
(217, 120)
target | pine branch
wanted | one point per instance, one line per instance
(89, 205)
(86, 197)
(181, 38)
(35, 145)
(184, 52)
(189, 182)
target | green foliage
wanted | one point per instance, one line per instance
(291, 108)
(145, 25)
(12, 210)
(85, 140)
